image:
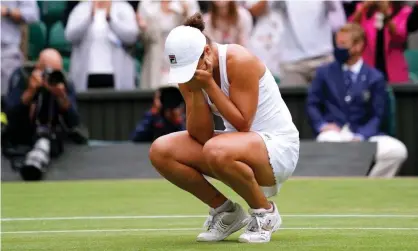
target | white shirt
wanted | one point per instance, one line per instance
(355, 68)
(307, 30)
(100, 58)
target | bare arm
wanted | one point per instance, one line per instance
(199, 120)
(240, 108)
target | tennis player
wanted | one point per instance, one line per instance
(254, 155)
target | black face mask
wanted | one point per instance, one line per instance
(342, 55)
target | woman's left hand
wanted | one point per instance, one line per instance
(203, 78)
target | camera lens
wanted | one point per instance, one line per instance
(36, 160)
(54, 77)
(31, 173)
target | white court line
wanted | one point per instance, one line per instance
(204, 216)
(194, 229)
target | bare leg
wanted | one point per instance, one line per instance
(179, 159)
(241, 161)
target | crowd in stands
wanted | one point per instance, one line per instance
(119, 45)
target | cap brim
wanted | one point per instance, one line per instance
(182, 74)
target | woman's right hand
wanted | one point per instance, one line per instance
(107, 5)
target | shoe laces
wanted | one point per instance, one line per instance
(257, 220)
(212, 222)
(209, 222)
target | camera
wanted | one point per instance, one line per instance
(37, 159)
(53, 77)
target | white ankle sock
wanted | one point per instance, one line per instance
(263, 210)
(271, 210)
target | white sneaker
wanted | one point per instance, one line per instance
(262, 225)
(223, 224)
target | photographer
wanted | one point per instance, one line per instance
(40, 106)
(165, 116)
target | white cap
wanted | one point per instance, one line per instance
(183, 47)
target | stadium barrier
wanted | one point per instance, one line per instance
(112, 115)
(125, 160)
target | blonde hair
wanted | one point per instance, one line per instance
(356, 31)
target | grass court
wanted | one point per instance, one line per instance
(135, 215)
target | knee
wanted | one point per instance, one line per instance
(392, 149)
(159, 152)
(400, 152)
(216, 156)
(220, 160)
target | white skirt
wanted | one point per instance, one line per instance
(283, 153)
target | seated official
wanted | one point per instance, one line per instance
(346, 102)
(165, 116)
(41, 107)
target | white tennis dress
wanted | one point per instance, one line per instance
(272, 122)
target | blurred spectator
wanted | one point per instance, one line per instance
(204, 6)
(265, 37)
(41, 104)
(134, 4)
(349, 7)
(337, 17)
(3, 116)
(68, 9)
(165, 116)
(101, 33)
(347, 100)
(71, 4)
(307, 39)
(413, 19)
(385, 24)
(228, 23)
(13, 15)
(156, 19)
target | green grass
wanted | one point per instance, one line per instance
(302, 202)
